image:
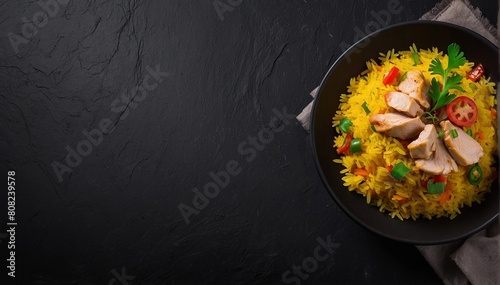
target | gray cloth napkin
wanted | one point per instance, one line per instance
(475, 260)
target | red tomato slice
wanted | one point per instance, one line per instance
(476, 73)
(391, 75)
(462, 111)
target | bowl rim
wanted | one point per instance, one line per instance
(315, 153)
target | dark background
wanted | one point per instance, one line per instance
(118, 209)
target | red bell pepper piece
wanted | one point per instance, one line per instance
(347, 143)
(393, 73)
(476, 73)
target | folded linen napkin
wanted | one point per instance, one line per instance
(476, 259)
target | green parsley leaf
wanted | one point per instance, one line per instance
(445, 100)
(434, 91)
(440, 93)
(453, 82)
(436, 67)
(455, 57)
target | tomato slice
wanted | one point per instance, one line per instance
(462, 111)
(391, 75)
(476, 73)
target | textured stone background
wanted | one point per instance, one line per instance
(114, 219)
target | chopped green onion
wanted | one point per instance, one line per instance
(469, 132)
(373, 128)
(399, 171)
(454, 133)
(475, 175)
(414, 54)
(435, 188)
(367, 111)
(415, 57)
(355, 146)
(345, 124)
(441, 134)
(403, 77)
(473, 86)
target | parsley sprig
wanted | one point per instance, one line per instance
(442, 97)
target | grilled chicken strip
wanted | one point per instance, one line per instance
(397, 125)
(415, 86)
(464, 149)
(439, 163)
(425, 144)
(403, 103)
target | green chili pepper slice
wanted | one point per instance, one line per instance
(475, 175)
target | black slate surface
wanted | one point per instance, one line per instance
(184, 87)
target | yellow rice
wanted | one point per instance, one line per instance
(380, 150)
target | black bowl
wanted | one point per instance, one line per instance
(425, 34)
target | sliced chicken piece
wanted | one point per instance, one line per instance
(425, 145)
(441, 114)
(415, 86)
(397, 125)
(440, 163)
(403, 103)
(464, 149)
